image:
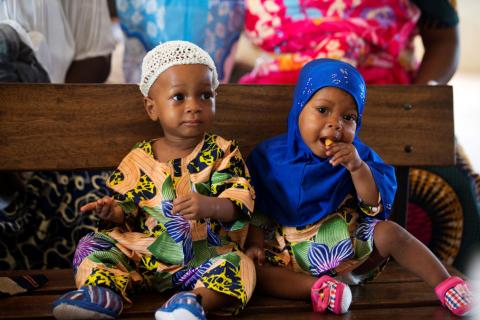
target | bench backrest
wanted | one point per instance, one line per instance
(56, 127)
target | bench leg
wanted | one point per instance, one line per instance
(400, 205)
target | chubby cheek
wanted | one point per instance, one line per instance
(311, 137)
(349, 133)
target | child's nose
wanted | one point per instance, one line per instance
(194, 106)
(335, 125)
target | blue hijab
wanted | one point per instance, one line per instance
(294, 186)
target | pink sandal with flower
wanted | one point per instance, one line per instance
(455, 294)
(331, 294)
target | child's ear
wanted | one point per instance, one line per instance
(150, 108)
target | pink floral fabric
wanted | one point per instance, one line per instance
(373, 35)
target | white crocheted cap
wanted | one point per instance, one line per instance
(172, 53)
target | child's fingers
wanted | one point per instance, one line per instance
(88, 207)
(103, 210)
(251, 253)
(181, 199)
(340, 157)
(260, 257)
(179, 208)
(335, 148)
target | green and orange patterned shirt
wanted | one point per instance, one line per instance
(145, 188)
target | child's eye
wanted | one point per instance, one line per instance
(206, 95)
(350, 117)
(178, 97)
(322, 109)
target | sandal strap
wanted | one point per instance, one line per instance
(320, 297)
(455, 294)
(445, 285)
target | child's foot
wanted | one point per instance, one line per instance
(455, 295)
(183, 305)
(331, 294)
(89, 302)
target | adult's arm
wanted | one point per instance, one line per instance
(442, 51)
(90, 70)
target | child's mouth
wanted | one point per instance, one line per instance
(192, 123)
(326, 141)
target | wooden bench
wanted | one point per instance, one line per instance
(69, 127)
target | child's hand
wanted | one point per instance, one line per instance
(193, 206)
(345, 154)
(106, 209)
(256, 253)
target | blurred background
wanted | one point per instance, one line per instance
(466, 81)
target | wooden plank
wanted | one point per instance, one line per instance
(61, 280)
(372, 296)
(394, 288)
(416, 313)
(45, 126)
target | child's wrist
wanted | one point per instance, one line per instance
(357, 168)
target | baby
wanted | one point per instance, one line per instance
(323, 197)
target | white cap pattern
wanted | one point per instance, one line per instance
(172, 53)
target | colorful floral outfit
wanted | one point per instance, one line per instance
(333, 246)
(160, 250)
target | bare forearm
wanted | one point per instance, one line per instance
(440, 60)
(90, 70)
(365, 184)
(224, 210)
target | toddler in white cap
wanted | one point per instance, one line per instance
(180, 205)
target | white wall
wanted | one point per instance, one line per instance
(469, 12)
(466, 82)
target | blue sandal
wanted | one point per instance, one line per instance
(183, 305)
(88, 302)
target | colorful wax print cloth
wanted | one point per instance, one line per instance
(374, 36)
(333, 246)
(157, 249)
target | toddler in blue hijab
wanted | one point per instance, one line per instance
(323, 198)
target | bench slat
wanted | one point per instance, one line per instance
(61, 280)
(44, 126)
(394, 288)
(371, 297)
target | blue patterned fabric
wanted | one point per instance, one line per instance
(42, 225)
(213, 25)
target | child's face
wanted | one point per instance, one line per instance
(330, 113)
(183, 100)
